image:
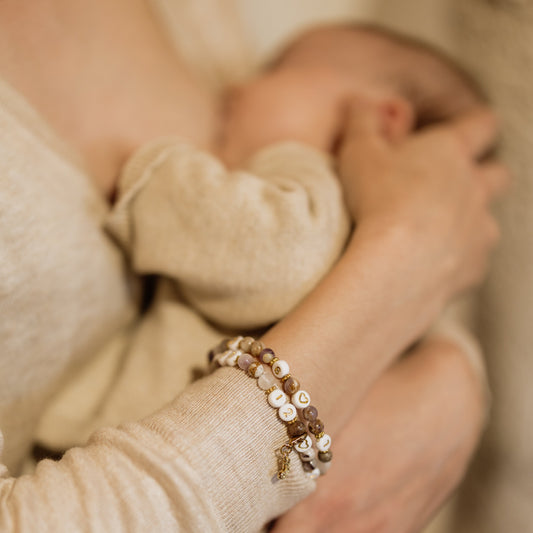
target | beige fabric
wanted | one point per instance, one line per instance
(243, 247)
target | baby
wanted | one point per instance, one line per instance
(244, 246)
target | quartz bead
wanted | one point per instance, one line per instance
(301, 399)
(246, 343)
(280, 368)
(308, 455)
(267, 381)
(245, 360)
(296, 429)
(316, 426)
(291, 386)
(325, 457)
(323, 443)
(304, 445)
(310, 413)
(287, 412)
(277, 398)
(256, 370)
(267, 355)
(256, 348)
(315, 474)
(324, 467)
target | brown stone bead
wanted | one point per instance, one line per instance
(325, 457)
(296, 429)
(310, 413)
(291, 386)
(309, 466)
(316, 426)
(256, 347)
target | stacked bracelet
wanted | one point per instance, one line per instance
(300, 416)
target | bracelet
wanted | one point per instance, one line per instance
(300, 416)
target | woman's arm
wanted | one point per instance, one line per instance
(404, 450)
(424, 234)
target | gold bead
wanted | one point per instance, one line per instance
(285, 378)
(273, 361)
(272, 389)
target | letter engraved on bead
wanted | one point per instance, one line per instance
(303, 398)
(304, 444)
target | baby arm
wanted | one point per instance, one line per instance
(243, 246)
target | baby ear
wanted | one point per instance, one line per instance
(398, 118)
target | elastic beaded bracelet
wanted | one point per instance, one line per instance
(242, 352)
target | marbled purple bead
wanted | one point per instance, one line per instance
(245, 360)
(266, 355)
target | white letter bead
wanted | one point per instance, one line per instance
(305, 445)
(287, 412)
(301, 399)
(314, 474)
(280, 368)
(323, 443)
(277, 398)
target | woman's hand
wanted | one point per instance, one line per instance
(404, 450)
(430, 184)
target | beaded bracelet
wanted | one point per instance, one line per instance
(249, 354)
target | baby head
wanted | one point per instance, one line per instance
(380, 63)
(303, 94)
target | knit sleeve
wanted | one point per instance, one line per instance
(202, 463)
(243, 246)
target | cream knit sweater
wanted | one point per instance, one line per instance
(198, 464)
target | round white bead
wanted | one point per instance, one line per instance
(323, 443)
(280, 368)
(231, 360)
(277, 398)
(314, 474)
(234, 343)
(259, 370)
(287, 412)
(266, 381)
(305, 445)
(301, 399)
(308, 455)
